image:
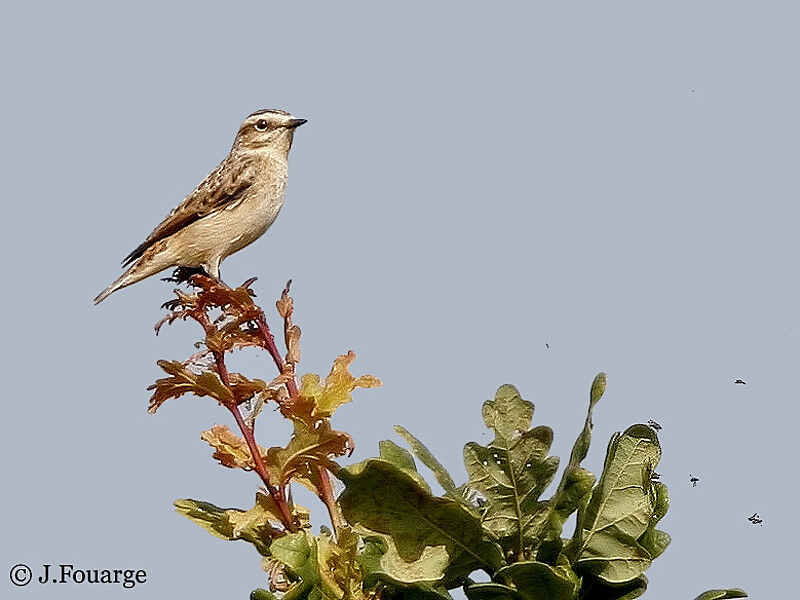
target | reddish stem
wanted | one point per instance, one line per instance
(269, 341)
(262, 469)
(327, 497)
(326, 491)
(249, 437)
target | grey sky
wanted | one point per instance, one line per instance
(617, 181)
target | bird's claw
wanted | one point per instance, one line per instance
(171, 304)
(184, 274)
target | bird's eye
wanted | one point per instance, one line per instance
(261, 125)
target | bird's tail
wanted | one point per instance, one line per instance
(146, 266)
(118, 284)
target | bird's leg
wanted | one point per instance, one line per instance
(211, 269)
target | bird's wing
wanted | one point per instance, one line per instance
(223, 186)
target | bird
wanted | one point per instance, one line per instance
(756, 520)
(694, 480)
(654, 425)
(740, 382)
(230, 209)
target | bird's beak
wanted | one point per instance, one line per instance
(294, 123)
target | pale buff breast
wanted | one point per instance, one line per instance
(222, 233)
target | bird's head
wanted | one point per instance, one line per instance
(268, 130)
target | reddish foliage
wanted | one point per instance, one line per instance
(232, 320)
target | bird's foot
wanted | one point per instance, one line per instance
(184, 274)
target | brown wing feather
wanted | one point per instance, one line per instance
(224, 185)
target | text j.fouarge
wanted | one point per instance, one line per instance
(66, 573)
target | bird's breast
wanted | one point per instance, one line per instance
(238, 224)
(250, 218)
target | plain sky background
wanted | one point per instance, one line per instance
(617, 180)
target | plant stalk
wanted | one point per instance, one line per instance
(328, 499)
(249, 437)
(262, 470)
(326, 493)
(269, 341)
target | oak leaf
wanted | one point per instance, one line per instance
(235, 333)
(335, 390)
(229, 449)
(311, 447)
(254, 525)
(182, 381)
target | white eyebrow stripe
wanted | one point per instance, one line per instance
(271, 111)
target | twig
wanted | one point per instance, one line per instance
(327, 497)
(249, 437)
(278, 493)
(262, 470)
(269, 342)
(326, 491)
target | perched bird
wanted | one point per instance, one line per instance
(230, 209)
(694, 480)
(740, 382)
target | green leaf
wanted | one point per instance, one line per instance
(381, 498)
(538, 581)
(528, 580)
(398, 456)
(381, 562)
(233, 524)
(298, 551)
(402, 459)
(513, 470)
(427, 459)
(654, 540)
(593, 589)
(598, 388)
(620, 509)
(576, 482)
(722, 594)
(512, 477)
(574, 489)
(420, 591)
(508, 414)
(491, 591)
(581, 447)
(338, 564)
(322, 568)
(661, 502)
